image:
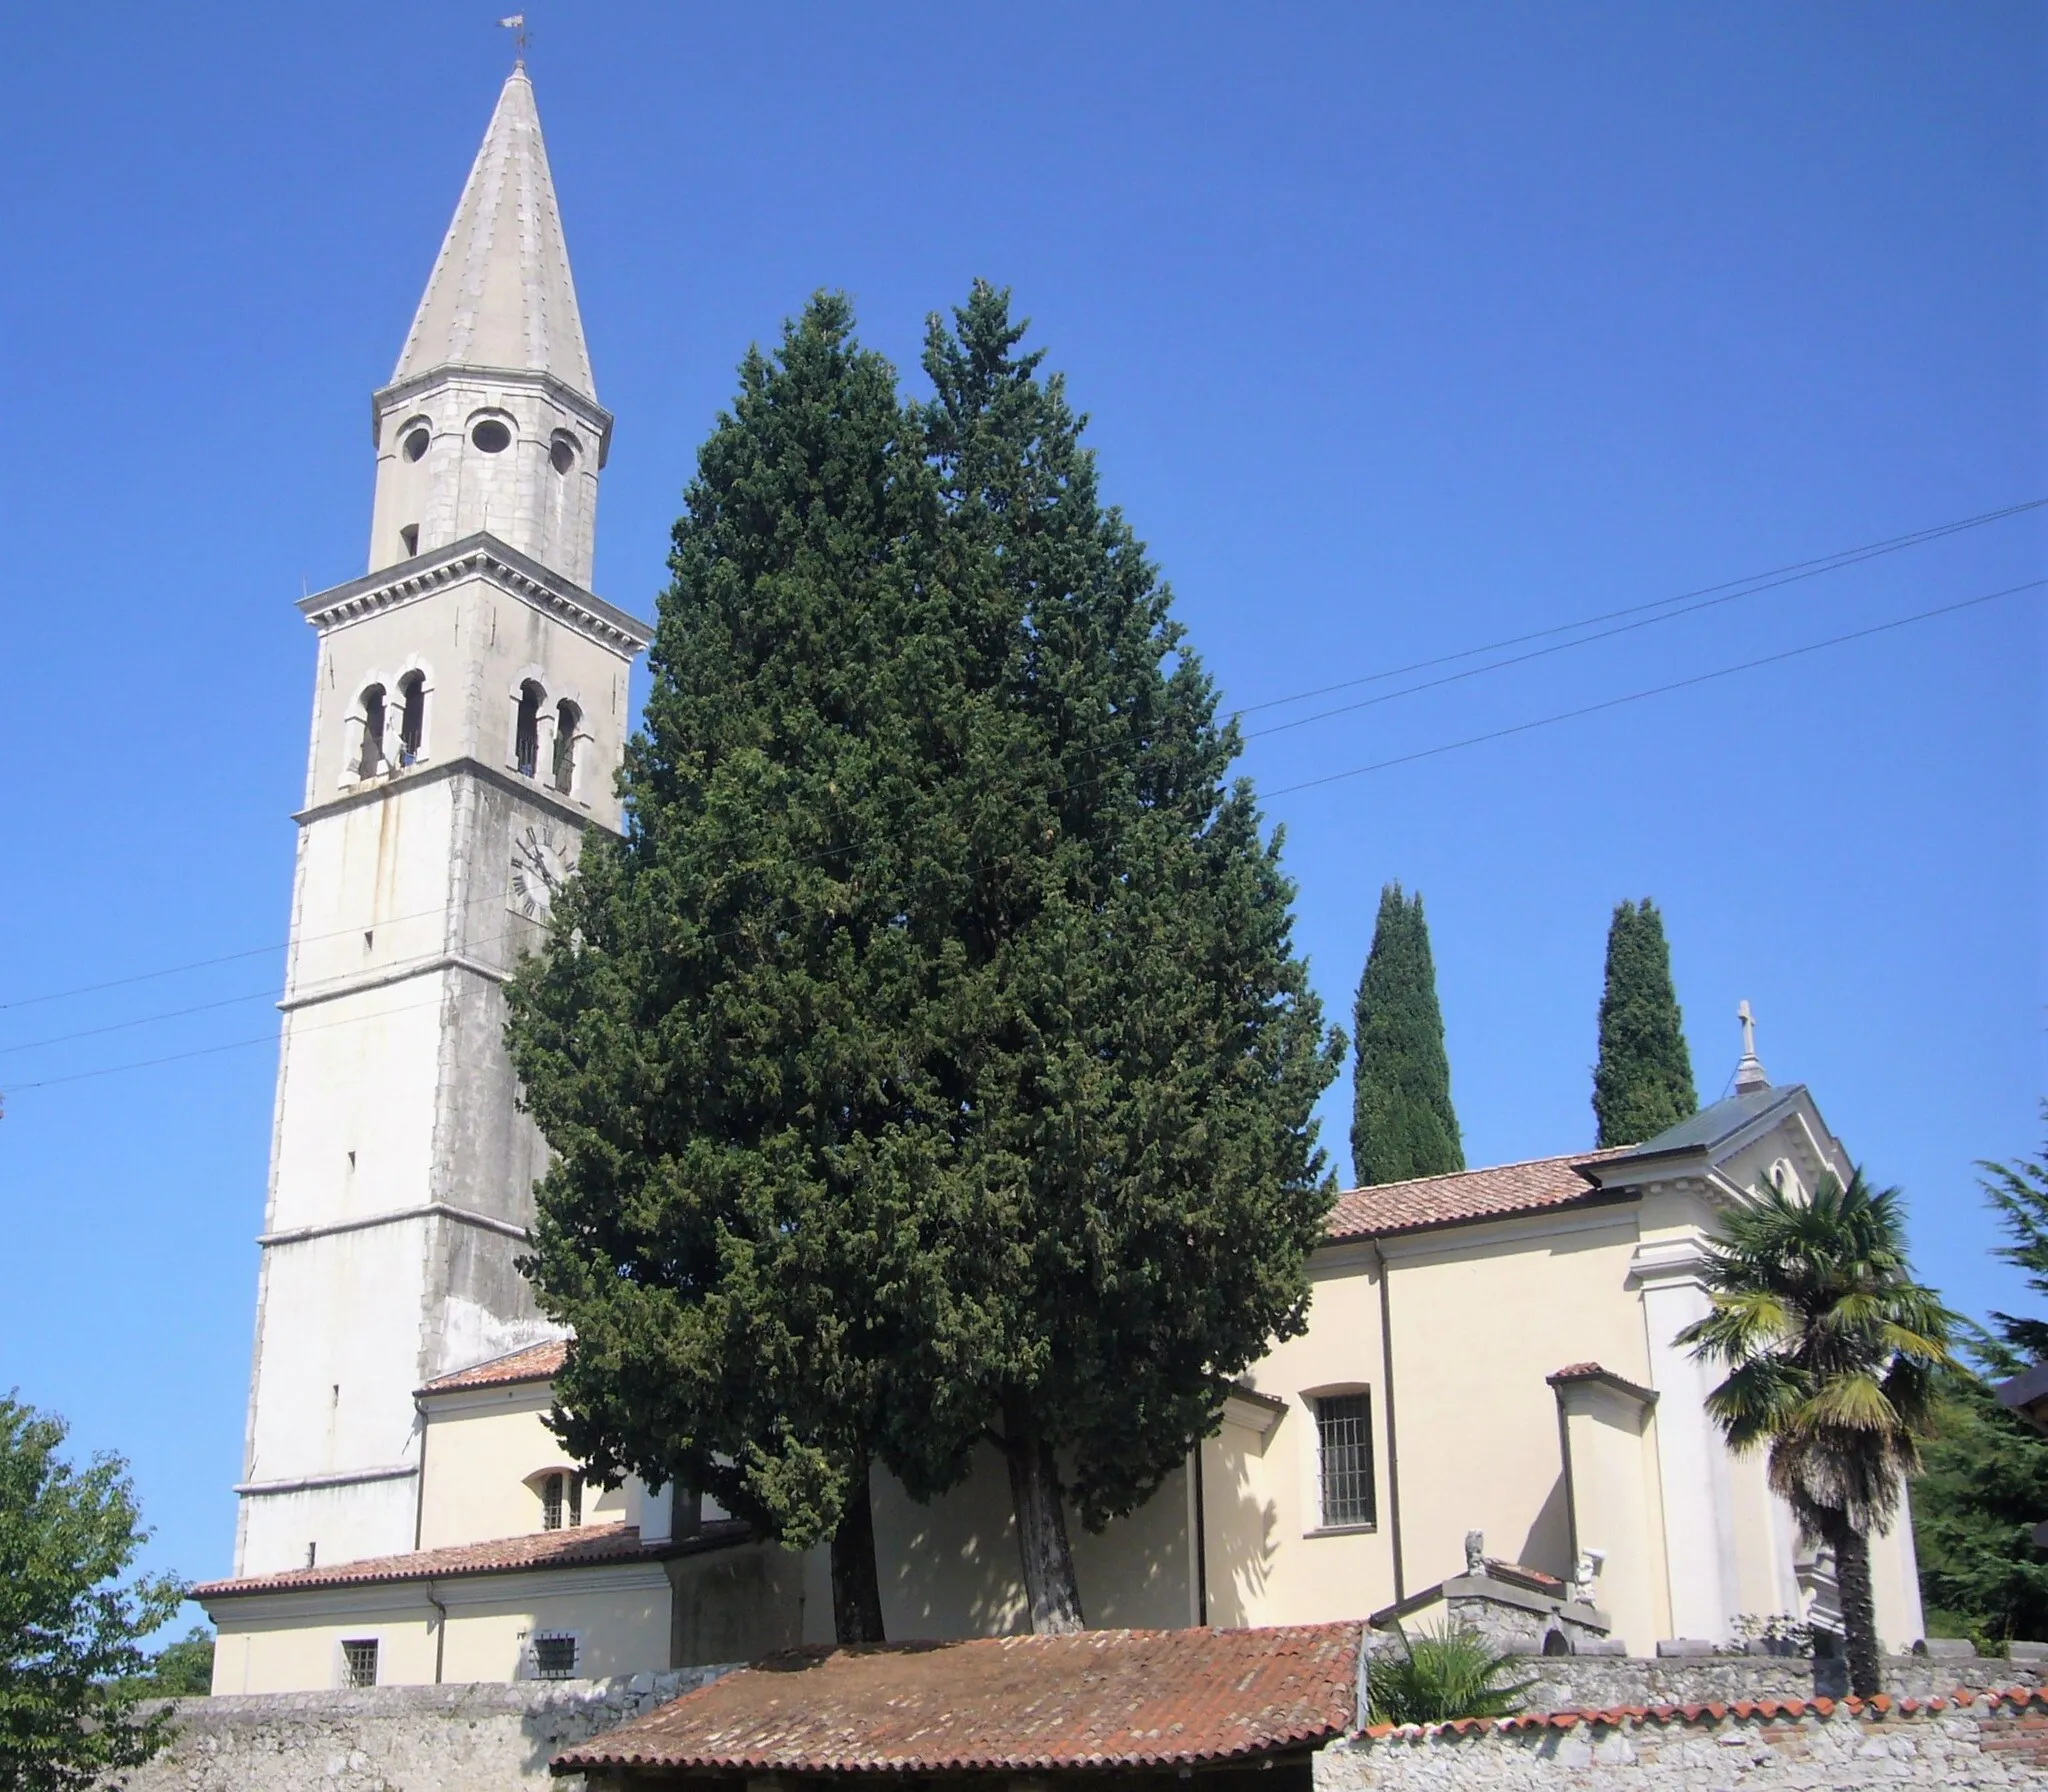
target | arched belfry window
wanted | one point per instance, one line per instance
(568, 718)
(371, 760)
(412, 716)
(526, 733)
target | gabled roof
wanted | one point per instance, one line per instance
(1716, 1125)
(1013, 1704)
(537, 1362)
(583, 1547)
(1465, 1195)
(500, 294)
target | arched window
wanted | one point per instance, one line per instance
(371, 761)
(412, 716)
(568, 718)
(526, 737)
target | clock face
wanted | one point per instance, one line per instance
(540, 862)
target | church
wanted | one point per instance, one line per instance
(1488, 1400)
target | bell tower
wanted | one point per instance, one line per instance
(469, 716)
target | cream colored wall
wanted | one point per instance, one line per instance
(620, 1616)
(1617, 1508)
(950, 1568)
(482, 1444)
(1481, 1316)
(1268, 1560)
(294, 1645)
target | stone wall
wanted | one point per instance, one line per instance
(1966, 1741)
(1596, 1682)
(480, 1738)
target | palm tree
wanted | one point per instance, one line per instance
(1834, 1355)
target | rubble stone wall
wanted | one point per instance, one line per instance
(1968, 1742)
(479, 1738)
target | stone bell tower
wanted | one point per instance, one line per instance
(469, 715)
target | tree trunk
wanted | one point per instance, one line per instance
(1859, 1610)
(856, 1590)
(1049, 1585)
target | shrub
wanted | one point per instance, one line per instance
(1445, 1673)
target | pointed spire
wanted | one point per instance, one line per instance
(500, 294)
(1749, 1074)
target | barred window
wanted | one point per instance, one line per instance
(561, 1501)
(359, 1662)
(1344, 1444)
(554, 1657)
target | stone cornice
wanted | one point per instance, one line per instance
(393, 783)
(389, 398)
(487, 1222)
(479, 556)
(424, 967)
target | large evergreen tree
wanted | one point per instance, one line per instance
(1984, 1488)
(1402, 1121)
(1139, 1050)
(1643, 1082)
(752, 1214)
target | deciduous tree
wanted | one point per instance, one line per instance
(69, 1625)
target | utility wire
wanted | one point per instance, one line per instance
(1779, 575)
(1748, 586)
(1679, 684)
(1358, 771)
(232, 1045)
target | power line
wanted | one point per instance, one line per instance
(1712, 595)
(1679, 684)
(1779, 575)
(232, 1045)
(1587, 709)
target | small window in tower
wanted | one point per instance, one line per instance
(491, 436)
(359, 1662)
(417, 442)
(372, 760)
(551, 1491)
(562, 452)
(410, 536)
(412, 716)
(568, 718)
(526, 736)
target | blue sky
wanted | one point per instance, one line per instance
(1404, 331)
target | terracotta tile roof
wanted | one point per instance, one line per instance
(537, 1362)
(1102, 1698)
(1466, 1195)
(1576, 1372)
(581, 1547)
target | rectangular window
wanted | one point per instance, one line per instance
(359, 1662)
(1344, 1445)
(551, 1503)
(554, 1657)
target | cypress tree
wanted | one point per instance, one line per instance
(1643, 1082)
(746, 1223)
(1139, 1050)
(1402, 1121)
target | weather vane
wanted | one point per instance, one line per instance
(516, 24)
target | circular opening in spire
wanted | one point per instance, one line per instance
(491, 436)
(562, 454)
(417, 442)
